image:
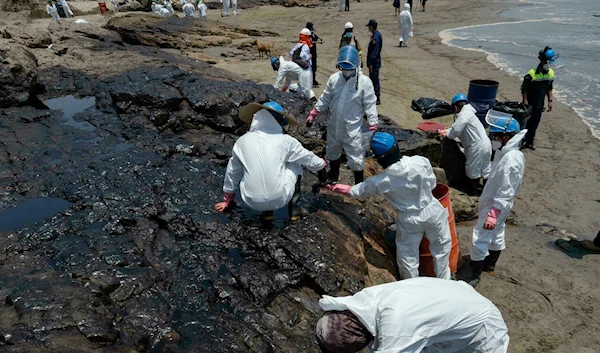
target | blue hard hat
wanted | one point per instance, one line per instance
(382, 142)
(459, 97)
(506, 126)
(274, 60)
(347, 57)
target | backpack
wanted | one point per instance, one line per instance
(298, 60)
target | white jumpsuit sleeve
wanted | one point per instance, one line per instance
(326, 96)
(298, 154)
(280, 75)
(234, 173)
(508, 184)
(459, 126)
(370, 102)
(375, 185)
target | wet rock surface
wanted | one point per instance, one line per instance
(139, 261)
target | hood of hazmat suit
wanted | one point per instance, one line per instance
(405, 21)
(412, 316)
(265, 163)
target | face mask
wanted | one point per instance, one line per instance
(496, 145)
(348, 74)
(546, 67)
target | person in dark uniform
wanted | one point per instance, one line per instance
(410, 2)
(374, 57)
(313, 52)
(537, 85)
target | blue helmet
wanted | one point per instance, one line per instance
(549, 54)
(274, 60)
(382, 142)
(348, 58)
(505, 126)
(459, 97)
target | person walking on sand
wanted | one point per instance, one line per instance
(537, 85)
(225, 8)
(348, 38)
(234, 6)
(51, 10)
(405, 25)
(374, 57)
(202, 9)
(396, 7)
(66, 8)
(498, 195)
(408, 183)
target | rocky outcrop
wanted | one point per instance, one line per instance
(18, 74)
(29, 37)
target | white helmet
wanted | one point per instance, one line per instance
(348, 25)
(305, 31)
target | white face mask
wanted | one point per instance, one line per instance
(348, 74)
(546, 67)
(496, 145)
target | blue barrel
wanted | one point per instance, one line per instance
(482, 96)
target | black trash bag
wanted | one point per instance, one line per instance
(520, 111)
(431, 108)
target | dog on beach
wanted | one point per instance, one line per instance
(264, 48)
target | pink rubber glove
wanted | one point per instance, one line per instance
(443, 132)
(372, 127)
(284, 88)
(339, 188)
(227, 199)
(492, 219)
(313, 114)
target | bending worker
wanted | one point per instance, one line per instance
(289, 71)
(472, 136)
(348, 96)
(498, 195)
(407, 183)
(266, 164)
(537, 85)
(412, 316)
(188, 9)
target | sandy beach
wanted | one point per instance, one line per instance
(547, 297)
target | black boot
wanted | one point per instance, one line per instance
(359, 177)
(476, 267)
(489, 264)
(322, 176)
(473, 187)
(293, 210)
(334, 170)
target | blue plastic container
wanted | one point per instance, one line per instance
(482, 96)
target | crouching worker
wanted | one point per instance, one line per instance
(416, 315)
(266, 164)
(407, 183)
(349, 96)
(289, 71)
(472, 135)
(498, 195)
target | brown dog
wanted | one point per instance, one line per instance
(264, 48)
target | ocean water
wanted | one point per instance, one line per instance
(570, 27)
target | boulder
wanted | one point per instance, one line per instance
(30, 37)
(18, 75)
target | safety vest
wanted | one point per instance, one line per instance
(549, 76)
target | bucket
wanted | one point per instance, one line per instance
(102, 6)
(426, 267)
(482, 96)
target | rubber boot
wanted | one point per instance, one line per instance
(334, 172)
(322, 177)
(266, 216)
(473, 187)
(359, 177)
(477, 267)
(293, 211)
(489, 264)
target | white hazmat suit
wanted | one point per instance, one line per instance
(234, 6)
(499, 193)
(405, 25)
(426, 315)
(66, 8)
(289, 71)
(225, 7)
(188, 10)
(347, 101)
(407, 185)
(51, 10)
(474, 139)
(169, 7)
(266, 163)
(202, 8)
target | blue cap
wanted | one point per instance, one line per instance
(382, 142)
(348, 58)
(459, 97)
(505, 126)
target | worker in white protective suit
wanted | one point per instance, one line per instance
(498, 195)
(169, 7)
(66, 8)
(470, 131)
(417, 315)
(156, 8)
(51, 10)
(301, 55)
(234, 6)
(405, 25)
(407, 183)
(225, 7)
(202, 9)
(289, 71)
(348, 96)
(188, 10)
(266, 164)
